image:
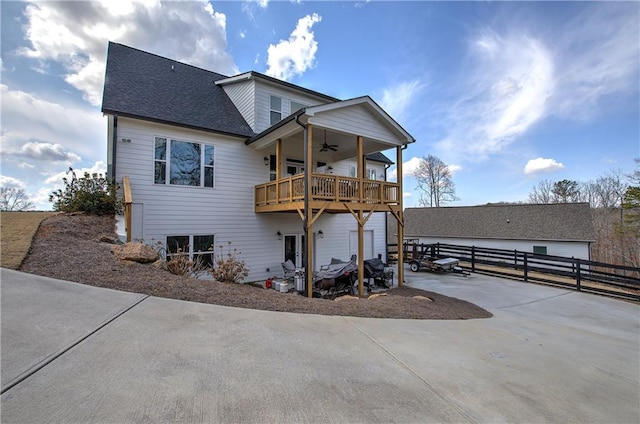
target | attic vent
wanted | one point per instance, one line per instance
(172, 69)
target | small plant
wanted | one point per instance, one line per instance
(93, 194)
(229, 268)
(179, 264)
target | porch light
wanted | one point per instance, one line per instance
(320, 234)
(279, 234)
(266, 161)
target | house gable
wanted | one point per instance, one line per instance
(260, 88)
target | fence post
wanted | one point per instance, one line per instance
(473, 259)
(578, 269)
(437, 249)
(515, 259)
(525, 271)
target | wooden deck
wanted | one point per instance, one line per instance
(332, 193)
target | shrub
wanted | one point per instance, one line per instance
(179, 264)
(229, 268)
(92, 194)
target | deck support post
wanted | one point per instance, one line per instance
(308, 215)
(400, 218)
(278, 167)
(360, 217)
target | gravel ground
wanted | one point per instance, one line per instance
(68, 247)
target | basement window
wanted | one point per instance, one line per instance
(196, 247)
(540, 250)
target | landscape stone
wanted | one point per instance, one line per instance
(137, 252)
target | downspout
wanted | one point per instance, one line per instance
(111, 173)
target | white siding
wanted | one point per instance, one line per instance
(355, 120)
(262, 106)
(557, 248)
(227, 210)
(242, 95)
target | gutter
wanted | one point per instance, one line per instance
(274, 127)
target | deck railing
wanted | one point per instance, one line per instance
(332, 188)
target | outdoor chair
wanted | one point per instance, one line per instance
(288, 270)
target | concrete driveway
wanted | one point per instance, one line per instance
(74, 353)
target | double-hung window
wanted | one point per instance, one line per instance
(199, 248)
(371, 174)
(183, 163)
(275, 108)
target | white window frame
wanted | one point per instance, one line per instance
(189, 248)
(167, 162)
(272, 110)
(371, 174)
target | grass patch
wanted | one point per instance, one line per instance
(16, 232)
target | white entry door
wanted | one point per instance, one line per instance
(368, 244)
(294, 250)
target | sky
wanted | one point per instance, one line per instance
(507, 94)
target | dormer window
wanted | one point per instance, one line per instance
(296, 106)
(276, 109)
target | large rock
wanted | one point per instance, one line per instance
(137, 252)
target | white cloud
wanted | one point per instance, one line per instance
(510, 81)
(98, 167)
(453, 168)
(407, 194)
(47, 152)
(10, 182)
(513, 79)
(31, 126)
(537, 165)
(610, 64)
(294, 56)
(75, 34)
(396, 99)
(408, 168)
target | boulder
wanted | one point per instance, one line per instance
(110, 239)
(419, 297)
(136, 252)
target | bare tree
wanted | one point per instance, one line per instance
(435, 181)
(14, 199)
(608, 190)
(542, 193)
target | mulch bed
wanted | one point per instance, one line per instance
(68, 247)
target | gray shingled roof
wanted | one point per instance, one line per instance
(379, 157)
(562, 221)
(142, 85)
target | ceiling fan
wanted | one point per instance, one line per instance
(326, 147)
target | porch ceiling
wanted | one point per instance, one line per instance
(293, 145)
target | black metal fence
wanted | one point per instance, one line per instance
(579, 274)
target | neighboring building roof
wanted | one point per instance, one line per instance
(559, 222)
(257, 75)
(146, 86)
